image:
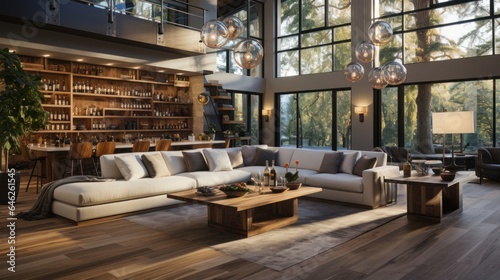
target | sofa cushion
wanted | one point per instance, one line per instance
(93, 193)
(263, 155)
(340, 182)
(195, 161)
(218, 160)
(155, 165)
(309, 159)
(364, 163)
(348, 162)
(248, 153)
(207, 178)
(131, 166)
(331, 162)
(175, 162)
(236, 158)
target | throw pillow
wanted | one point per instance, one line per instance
(236, 158)
(195, 161)
(217, 160)
(331, 162)
(155, 165)
(364, 163)
(261, 155)
(131, 167)
(248, 153)
(348, 162)
(175, 162)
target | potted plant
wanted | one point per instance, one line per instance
(239, 130)
(212, 130)
(21, 113)
(292, 177)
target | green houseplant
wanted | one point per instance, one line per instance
(21, 110)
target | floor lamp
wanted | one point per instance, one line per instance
(452, 123)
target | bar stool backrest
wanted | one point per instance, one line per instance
(105, 148)
(163, 145)
(80, 151)
(141, 146)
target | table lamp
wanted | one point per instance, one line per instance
(452, 123)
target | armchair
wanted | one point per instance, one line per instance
(488, 164)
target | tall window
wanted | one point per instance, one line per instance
(439, 30)
(313, 37)
(428, 31)
(251, 14)
(477, 96)
(319, 119)
(247, 110)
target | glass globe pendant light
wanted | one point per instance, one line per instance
(354, 72)
(394, 72)
(248, 53)
(380, 33)
(234, 26)
(203, 98)
(376, 78)
(365, 51)
(214, 34)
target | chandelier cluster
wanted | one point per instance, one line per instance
(391, 73)
(247, 53)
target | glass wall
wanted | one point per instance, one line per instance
(481, 97)
(429, 31)
(314, 36)
(318, 119)
(247, 110)
(251, 14)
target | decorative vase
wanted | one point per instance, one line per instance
(293, 186)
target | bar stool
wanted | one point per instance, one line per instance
(78, 152)
(141, 146)
(102, 148)
(163, 145)
(28, 156)
(228, 142)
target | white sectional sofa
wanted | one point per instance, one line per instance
(135, 188)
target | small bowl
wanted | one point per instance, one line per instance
(447, 176)
(437, 170)
(235, 193)
(279, 189)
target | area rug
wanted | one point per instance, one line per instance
(321, 226)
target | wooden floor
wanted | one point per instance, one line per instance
(463, 246)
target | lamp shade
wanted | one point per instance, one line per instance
(376, 78)
(380, 33)
(354, 72)
(394, 72)
(234, 27)
(248, 53)
(360, 109)
(453, 122)
(365, 51)
(214, 34)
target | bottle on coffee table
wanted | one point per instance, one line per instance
(266, 174)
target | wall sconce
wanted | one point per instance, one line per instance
(266, 114)
(361, 110)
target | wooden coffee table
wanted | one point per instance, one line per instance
(252, 214)
(431, 198)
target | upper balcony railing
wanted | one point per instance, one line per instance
(161, 11)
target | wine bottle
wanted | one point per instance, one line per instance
(266, 174)
(273, 179)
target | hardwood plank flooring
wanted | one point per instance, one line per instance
(464, 246)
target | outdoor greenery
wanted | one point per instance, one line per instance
(422, 34)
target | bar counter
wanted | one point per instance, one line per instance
(56, 156)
